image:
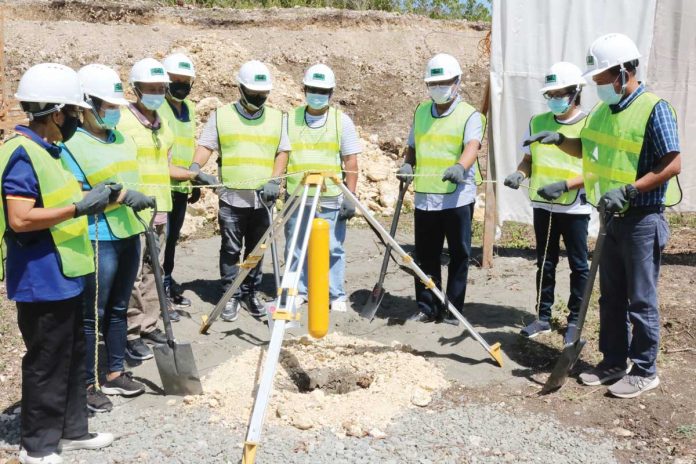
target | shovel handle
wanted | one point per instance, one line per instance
(392, 230)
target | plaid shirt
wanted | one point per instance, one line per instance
(661, 138)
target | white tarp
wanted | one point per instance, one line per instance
(528, 36)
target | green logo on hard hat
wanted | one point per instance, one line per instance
(260, 78)
(590, 60)
(184, 65)
(551, 79)
(118, 87)
(437, 72)
(157, 71)
(319, 77)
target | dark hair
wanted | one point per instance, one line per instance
(96, 102)
(630, 66)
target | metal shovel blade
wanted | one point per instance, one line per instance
(559, 375)
(177, 369)
(373, 302)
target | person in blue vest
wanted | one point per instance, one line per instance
(98, 153)
(631, 157)
(42, 220)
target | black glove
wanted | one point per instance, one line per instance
(137, 200)
(195, 196)
(614, 201)
(94, 202)
(545, 137)
(270, 191)
(454, 174)
(204, 179)
(553, 191)
(405, 173)
(514, 180)
(346, 211)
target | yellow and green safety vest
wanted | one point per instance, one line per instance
(58, 188)
(611, 146)
(314, 149)
(153, 157)
(439, 145)
(184, 141)
(248, 146)
(551, 164)
(109, 162)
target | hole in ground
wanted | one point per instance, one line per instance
(330, 380)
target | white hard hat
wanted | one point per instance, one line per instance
(148, 70)
(442, 67)
(102, 82)
(51, 83)
(608, 51)
(254, 75)
(562, 75)
(180, 64)
(319, 76)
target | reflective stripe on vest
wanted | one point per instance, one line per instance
(184, 141)
(611, 146)
(549, 163)
(109, 162)
(59, 188)
(153, 157)
(314, 149)
(248, 146)
(439, 145)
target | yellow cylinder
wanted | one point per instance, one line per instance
(318, 279)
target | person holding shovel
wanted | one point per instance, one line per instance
(558, 199)
(631, 157)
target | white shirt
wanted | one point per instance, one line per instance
(209, 139)
(465, 193)
(580, 205)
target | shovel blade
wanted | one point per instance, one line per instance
(373, 302)
(559, 375)
(177, 369)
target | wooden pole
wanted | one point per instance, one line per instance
(489, 219)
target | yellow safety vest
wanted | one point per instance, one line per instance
(59, 188)
(184, 141)
(611, 146)
(153, 158)
(439, 145)
(109, 162)
(549, 163)
(248, 146)
(314, 149)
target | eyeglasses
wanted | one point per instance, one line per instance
(549, 96)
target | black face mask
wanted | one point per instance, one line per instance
(70, 125)
(253, 102)
(179, 90)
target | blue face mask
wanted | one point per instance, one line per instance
(558, 105)
(111, 118)
(317, 101)
(152, 101)
(608, 95)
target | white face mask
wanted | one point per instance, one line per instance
(442, 94)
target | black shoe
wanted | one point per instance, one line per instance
(123, 385)
(137, 349)
(97, 400)
(174, 316)
(254, 306)
(156, 336)
(422, 317)
(231, 311)
(176, 297)
(447, 317)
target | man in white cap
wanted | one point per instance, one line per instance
(630, 152)
(557, 197)
(43, 221)
(443, 145)
(252, 140)
(325, 139)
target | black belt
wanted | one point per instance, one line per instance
(641, 211)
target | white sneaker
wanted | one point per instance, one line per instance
(339, 306)
(95, 441)
(52, 458)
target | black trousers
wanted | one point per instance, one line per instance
(175, 222)
(431, 229)
(54, 401)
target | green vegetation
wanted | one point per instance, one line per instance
(472, 10)
(687, 431)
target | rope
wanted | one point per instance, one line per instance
(96, 303)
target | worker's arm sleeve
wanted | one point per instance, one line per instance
(350, 141)
(663, 131)
(411, 138)
(474, 128)
(71, 164)
(19, 178)
(209, 134)
(525, 149)
(284, 144)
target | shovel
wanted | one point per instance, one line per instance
(175, 361)
(375, 298)
(571, 351)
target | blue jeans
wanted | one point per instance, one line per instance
(118, 268)
(629, 319)
(337, 259)
(573, 229)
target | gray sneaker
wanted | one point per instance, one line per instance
(231, 311)
(603, 374)
(631, 386)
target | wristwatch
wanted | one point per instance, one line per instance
(631, 191)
